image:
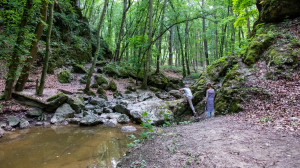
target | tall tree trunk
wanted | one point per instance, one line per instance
(204, 36)
(160, 39)
(170, 47)
(109, 27)
(90, 74)
(15, 60)
(182, 54)
(186, 48)
(125, 9)
(196, 49)
(145, 80)
(40, 89)
(33, 49)
(248, 23)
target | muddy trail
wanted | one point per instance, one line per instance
(217, 142)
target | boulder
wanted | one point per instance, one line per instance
(158, 80)
(77, 103)
(91, 120)
(73, 120)
(146, 96)
(2, 124)
(24, 123)
(112, 85)
(34, 112)
(63, 112)
(78, 69)
(121, 109)
(89, 107)
(100, 79)
(64, 76)
(2, 132)
(128, 129)
(107, 110)
(111, 123)
(176, 93)
(98, 101)
(13, 121)
(98, 111)
(123, 119)
(110, 115)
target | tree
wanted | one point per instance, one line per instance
(90, 74)
(33, 49)
(17, 51)
(46, 60)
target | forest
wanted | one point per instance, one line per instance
(117, 68)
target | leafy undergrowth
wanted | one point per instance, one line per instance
(273, 103)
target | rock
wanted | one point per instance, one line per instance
(89, 107)
(293, 119)
(100, 79)
(154, 110)
(145, 96)
(63, 112)
(111, 123)
(91, 120)
(2, 124)
(46, 123)
(13, 121)
(107, 110)
(8, 128)
(100, 91)
(24, 123)
(64, 76)
(78, 69)
(130, 88)
(2, 132)
(128, 129)
(162, 95)
(94, 86)
(153, 89)
(77, 103)
(112, 85)
(98, 101)
(98, 111)
(158, 80)
(176, 93)
(121, 109)
(57, 96)
(39, 123)
(34, 112)
(110, 115)
(123, 119)
(73, 120)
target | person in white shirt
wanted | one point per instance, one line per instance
(189, 96)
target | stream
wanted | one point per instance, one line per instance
(64, 147)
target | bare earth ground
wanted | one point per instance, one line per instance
(223, 141)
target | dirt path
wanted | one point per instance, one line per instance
(218, 142)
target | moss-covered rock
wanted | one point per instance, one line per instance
(64, 76)
(112, 85)
(111, 70)
(83, 79)
(95, 86)
(100, 79)
(100, 90)
(79, 69)
(158, 80)
(54, 97)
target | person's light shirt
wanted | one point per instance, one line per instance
(188, 92)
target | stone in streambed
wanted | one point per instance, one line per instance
(111, 123)
(63, 112)
(91, 120)
(34, 112)
(13, 121)
(24, 123)
(123, 119)
(128, 129)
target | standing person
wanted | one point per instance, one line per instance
(209, 100)
(189, 96)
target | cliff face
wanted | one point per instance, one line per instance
(273, 54)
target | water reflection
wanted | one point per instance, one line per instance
(64, 147)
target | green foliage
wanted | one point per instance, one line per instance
(64, 76)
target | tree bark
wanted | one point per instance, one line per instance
(186, 48)
(182, 54)
(170, 48)
(15, 60)
(33, 49)
(90, 74)
(145, 80)
(204, 36)
(40, 89)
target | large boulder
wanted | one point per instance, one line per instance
(110, 115)
(158, 80)
(13, 121)
(120, 108)
(64, 76)
(123, 119)
(176, 93)
(63, 112)
(98, 101)
(91, 120)
(111, 123)
(24, 123)
(76, 102)
(157, 111)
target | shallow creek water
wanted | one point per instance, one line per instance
(63, 147)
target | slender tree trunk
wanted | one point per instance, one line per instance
(186, 48)
(182, 54)
(248, 23)
(196, 49)
(15, 60)
(170, 48)
(33, 49)
(160, 39)
(109, 26)
(145, 80)
(40, 89)
(90, 74)
(125, 9)
(204, 36)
